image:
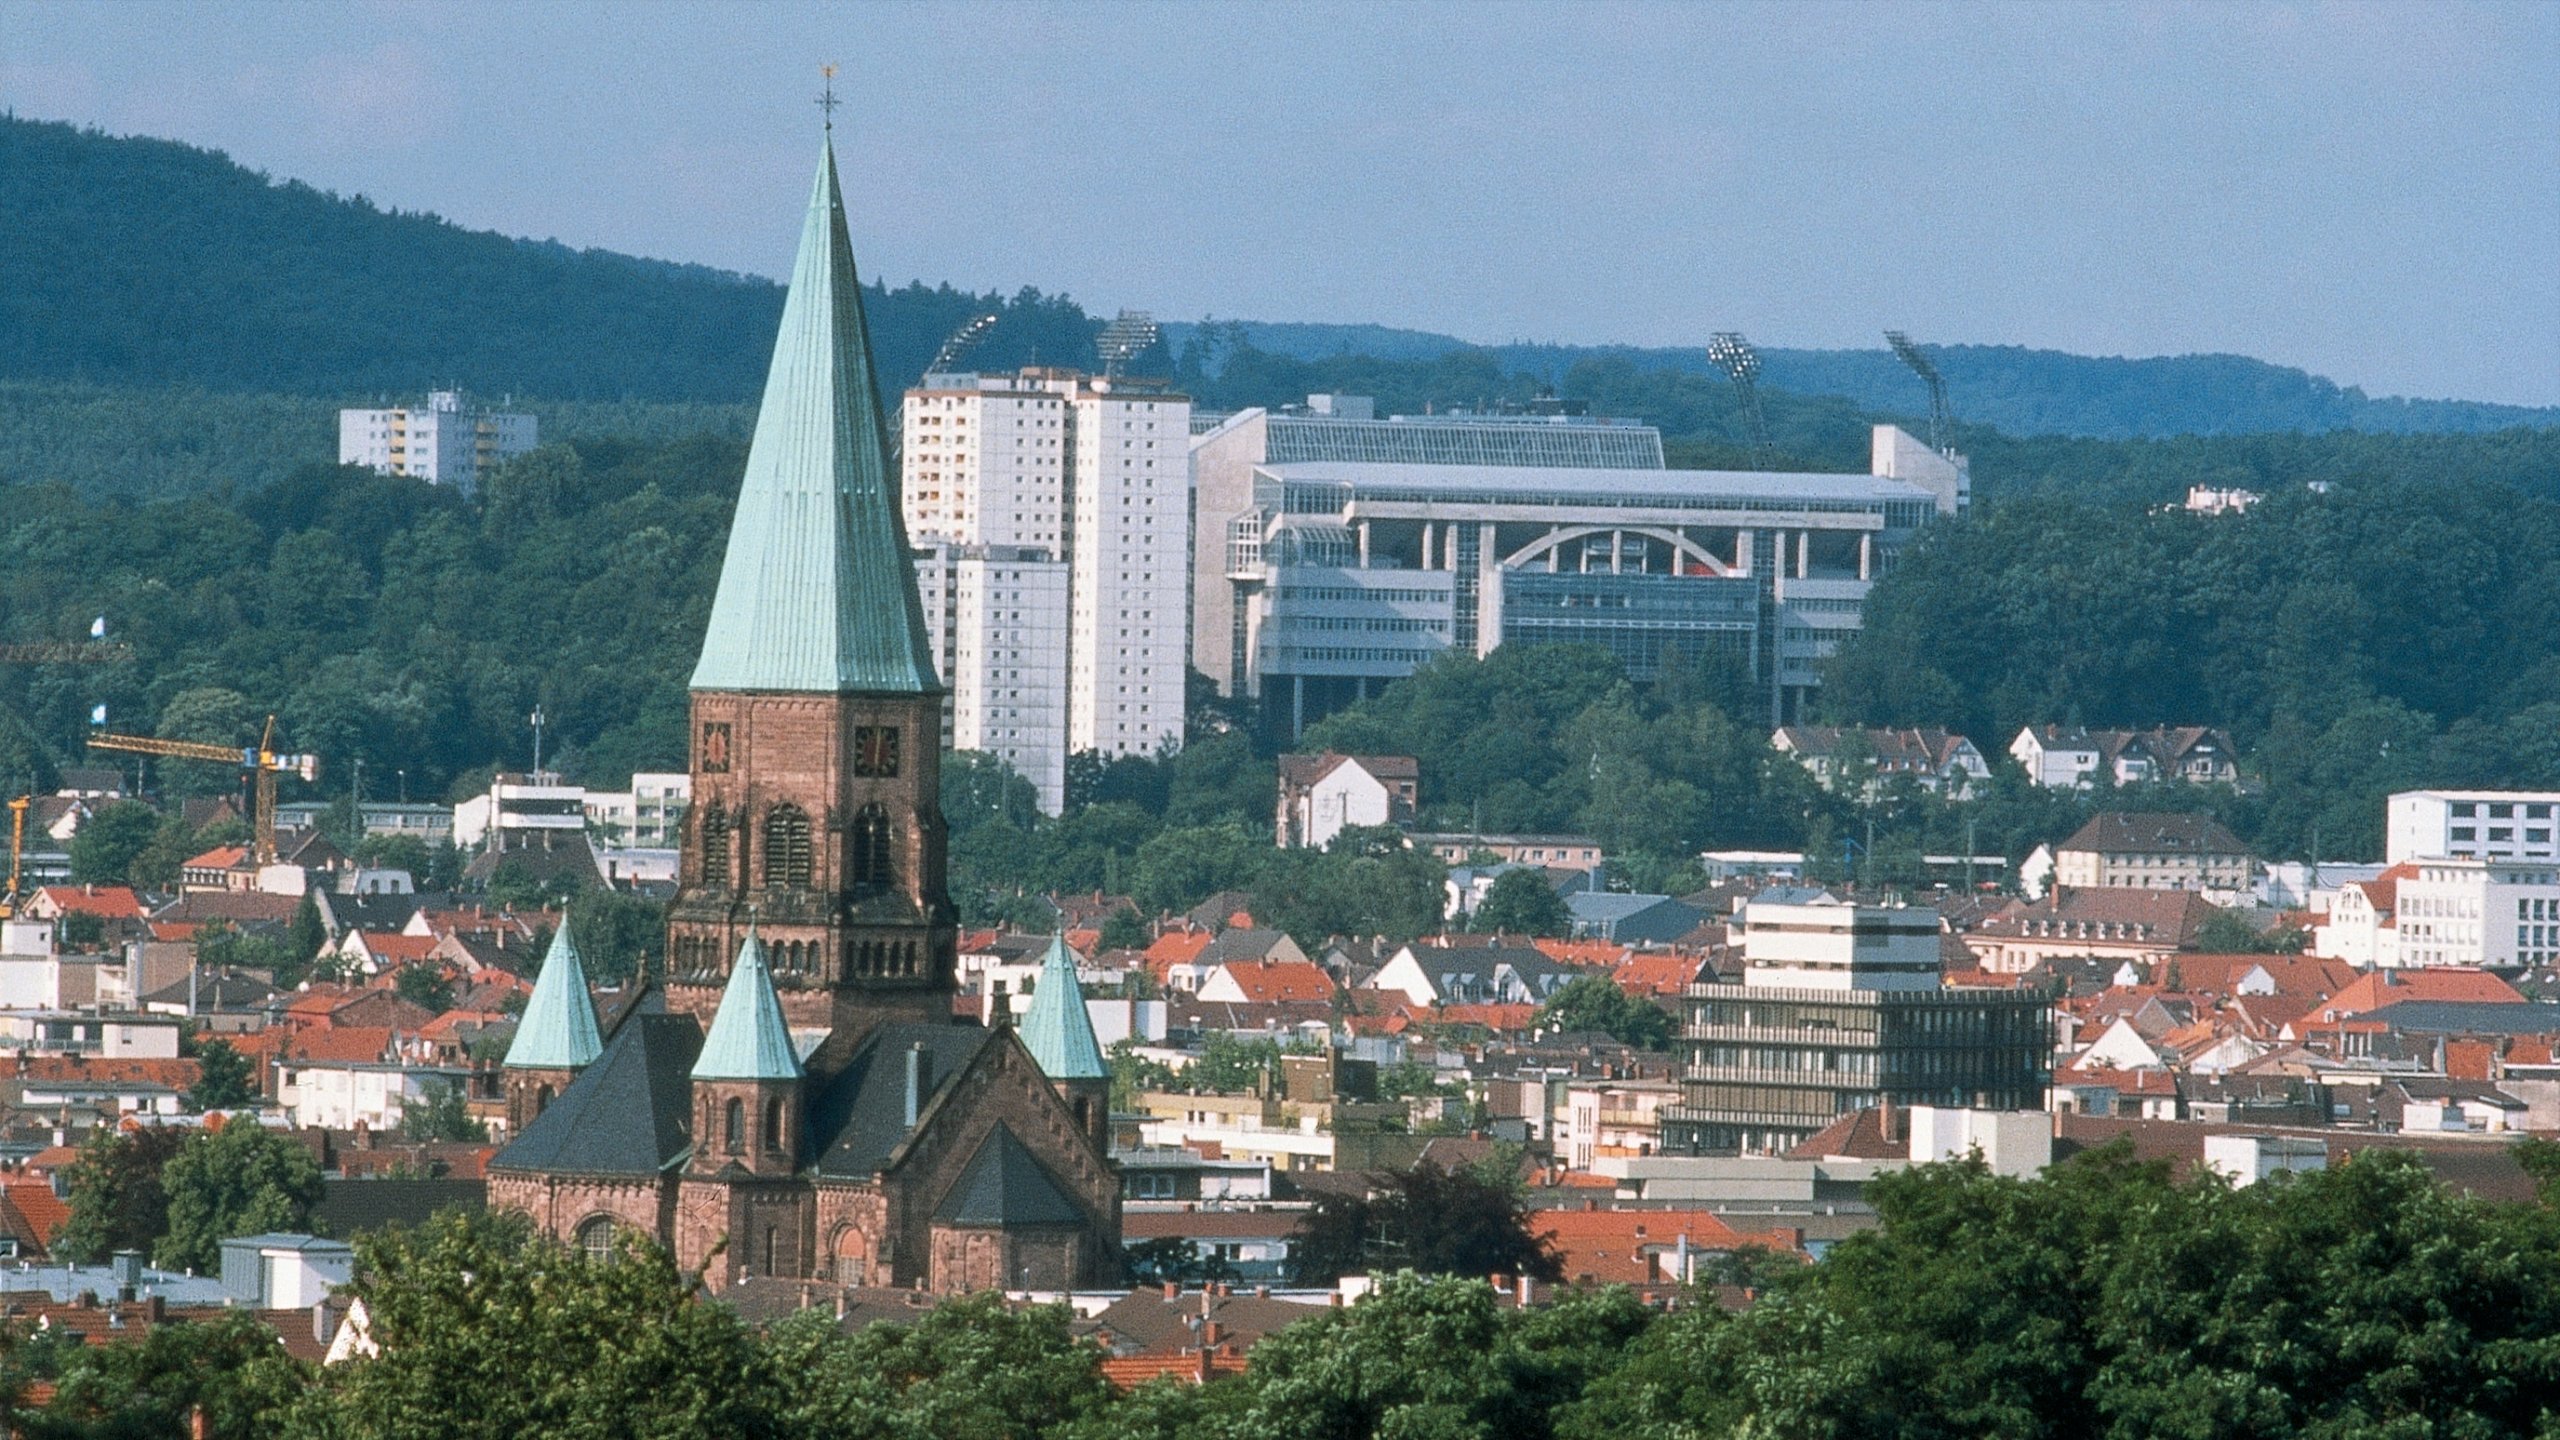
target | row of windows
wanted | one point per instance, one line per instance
(788, 856)
(1354, 592)
(2502, 834)
(2470, 810)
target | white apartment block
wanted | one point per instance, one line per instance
(2479, 912)
(2462, 824)
(1052, 512)
(444, 442)
(999, 620)
(649, 815)
(1132, 516)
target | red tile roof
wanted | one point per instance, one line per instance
(1655, 972)
(107, 902)
(1619, 1247)
(2391, 987)
(360, 1044)
(43, 1210)
(220, 857)
(1263, 981)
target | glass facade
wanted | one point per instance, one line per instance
(1764, 1068)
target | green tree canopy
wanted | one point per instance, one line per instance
(241, 1179)
(116, 1191)
(1521, 902)
(1595, 1003)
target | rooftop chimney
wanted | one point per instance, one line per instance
(919, 1080)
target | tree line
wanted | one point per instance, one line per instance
(2104, 1298)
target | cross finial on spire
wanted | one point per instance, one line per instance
(827, 101)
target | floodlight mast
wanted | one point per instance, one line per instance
(962, 341)
(1730, 353)
(1942, 423)
(1124, 340)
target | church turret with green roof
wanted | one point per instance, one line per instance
(747, 1099)
(1058, 1031)
(555, 1038)
(802, 1102)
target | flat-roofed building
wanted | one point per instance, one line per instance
(2465, 824)
(1343, 574)
(1842, 1008)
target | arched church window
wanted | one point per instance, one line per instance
(773, 1123)
(715, 845)
(541, 1099)
(734, 1126)
(786, 846)
(595, 1238)
(871, 868)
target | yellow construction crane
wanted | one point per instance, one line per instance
(17, 854)
(261, 760)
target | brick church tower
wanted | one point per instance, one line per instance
(797, 1104)
(816, 715)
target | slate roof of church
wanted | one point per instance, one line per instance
(861, 1116)
(626, 1114)
(1004, 1185)
(817, 592)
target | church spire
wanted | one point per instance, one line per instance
(558, 1031)
(1059, 1031)
(748, 1039)
(818, 591)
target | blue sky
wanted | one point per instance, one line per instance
(2371, 191)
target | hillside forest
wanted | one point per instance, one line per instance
(409, 627)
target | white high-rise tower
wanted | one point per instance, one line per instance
(1052, 514)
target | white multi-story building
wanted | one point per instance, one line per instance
(999, 619)
(2462, 824)
(2479, 912)
(1332, 556)
(648, 816)
(444, 442)
(1052, 509)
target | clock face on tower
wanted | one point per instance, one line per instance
(875, 751)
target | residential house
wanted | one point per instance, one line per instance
(1248, 1244)
(1263, 981)
(1573, 852)
(2120, 924)
(2363, 924)
(1454, 973)
(1322, 794)
(1630, 919)
(2073, 757)
(2154, 851)
(1936, 760)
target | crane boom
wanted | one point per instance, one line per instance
(54, 652)
(261, 760)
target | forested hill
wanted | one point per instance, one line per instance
(2005, 387)
(146, 263)
(131, 263)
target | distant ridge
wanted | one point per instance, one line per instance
(2010, 387)
(143, 264)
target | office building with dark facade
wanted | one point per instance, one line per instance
(1840, 1008)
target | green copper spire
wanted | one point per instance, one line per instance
(818, 590)
(558, 1031)
(1058, 1031)
(748, 1039)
